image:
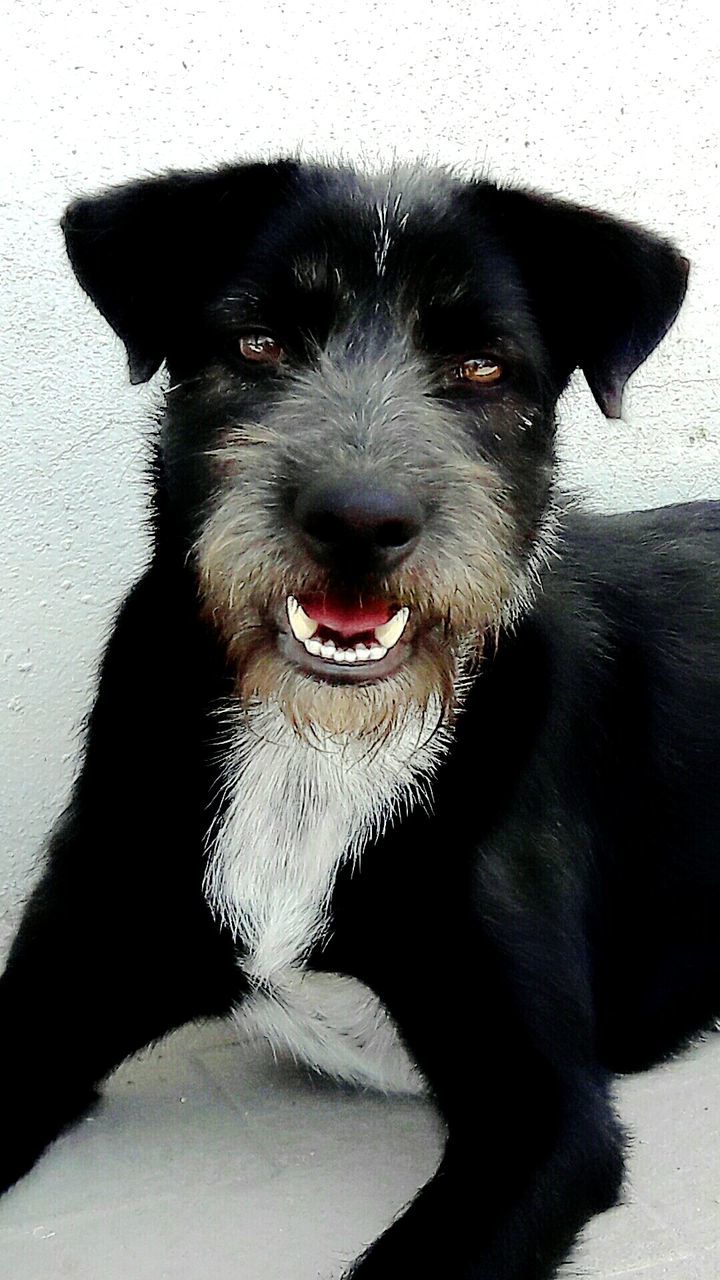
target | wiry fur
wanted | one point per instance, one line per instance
(293, 810)
(334, 1025)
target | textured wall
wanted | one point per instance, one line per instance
(614, 104)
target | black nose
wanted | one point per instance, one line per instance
(349, 519)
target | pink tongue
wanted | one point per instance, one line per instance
(346, 619)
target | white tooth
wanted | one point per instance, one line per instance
(301, 625)
(350, 655)
(362, 652)
(377, 652)
(340, 655)
(390, 632)
(328, 650)
(313, 646)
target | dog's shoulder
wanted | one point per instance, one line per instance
(638, 590)
(649, 553)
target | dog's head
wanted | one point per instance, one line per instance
(357, 443)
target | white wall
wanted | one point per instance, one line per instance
(613, 104)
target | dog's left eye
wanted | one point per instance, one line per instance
(261, 348)
(482, 371)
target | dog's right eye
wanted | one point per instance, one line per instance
(484, 371)
(260, 348)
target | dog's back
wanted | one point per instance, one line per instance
(652, 580)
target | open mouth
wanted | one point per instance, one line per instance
(340, 640)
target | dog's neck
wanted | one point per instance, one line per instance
(294, 809)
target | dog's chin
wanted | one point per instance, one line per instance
(368, 700)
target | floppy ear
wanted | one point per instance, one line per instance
(605, 291)
(145, 252)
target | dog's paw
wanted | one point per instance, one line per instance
(17, 1158)
(32, 1127)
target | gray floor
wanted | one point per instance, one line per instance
(208, 1160)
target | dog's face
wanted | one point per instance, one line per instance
(357, 446)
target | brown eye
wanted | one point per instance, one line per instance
(483, 371)
(261, 348)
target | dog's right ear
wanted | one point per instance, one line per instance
(145, 253)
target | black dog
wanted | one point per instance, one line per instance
(381, 709)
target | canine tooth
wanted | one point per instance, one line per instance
(390, 632)
(301, 625)
(377, 651)
(313, 646)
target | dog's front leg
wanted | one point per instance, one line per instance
(117, 945)
(97, 971)
(530, 1157)
(496, 1211)
(498, 1020)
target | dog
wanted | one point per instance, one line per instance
(397, 754)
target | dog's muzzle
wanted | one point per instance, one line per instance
(358, 533)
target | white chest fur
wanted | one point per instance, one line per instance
(294, 811)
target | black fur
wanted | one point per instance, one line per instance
(555, 919)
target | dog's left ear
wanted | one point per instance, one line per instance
(605, 291)
(148, 253)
